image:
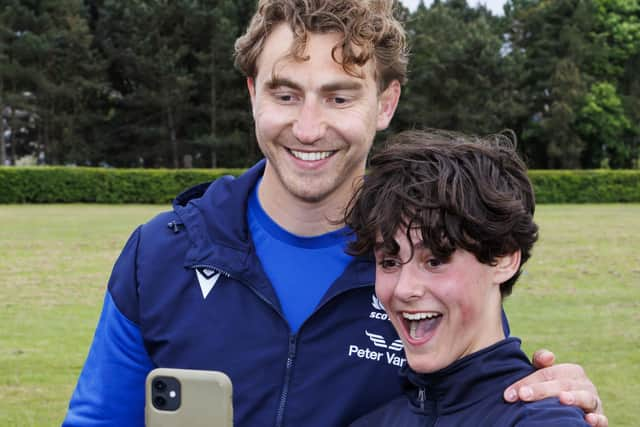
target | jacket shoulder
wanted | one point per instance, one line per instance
(150, 244)
(548, 413)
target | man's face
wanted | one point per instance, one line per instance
(314, 122)
(442, 310)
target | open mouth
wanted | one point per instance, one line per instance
(311, 156)
(420, 325)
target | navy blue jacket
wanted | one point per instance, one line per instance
(342, 363)
(469, 393)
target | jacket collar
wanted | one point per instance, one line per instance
(465, 382)
(214, 217)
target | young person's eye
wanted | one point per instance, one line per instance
(388, 263)
(434, 262)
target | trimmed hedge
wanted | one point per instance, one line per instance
(99, 185)
(586, 186)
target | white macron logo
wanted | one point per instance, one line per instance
(207, 280)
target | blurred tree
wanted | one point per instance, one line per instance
(603, 119)
(147, 52)
(175, 91)
(550, 38)
(617, 34)
(459, 76)
(226, 110)
(51, 73)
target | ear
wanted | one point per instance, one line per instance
(387, 104)
(506, 267)
(251, 86)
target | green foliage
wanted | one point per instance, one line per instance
(99, 185)
(457, 77)
(586, 186)
(619, 31)
(602, 120)
(551, 39)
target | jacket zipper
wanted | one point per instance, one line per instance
(292, 345)
(421, 397)
(287, 379)
(292, 339)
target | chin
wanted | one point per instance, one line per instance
(311, 192)
(425, 363)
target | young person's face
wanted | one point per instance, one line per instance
(442, 310)
(314, 122)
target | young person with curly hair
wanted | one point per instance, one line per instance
(450, 221)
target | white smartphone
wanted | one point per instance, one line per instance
(188, 397)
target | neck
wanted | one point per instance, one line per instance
(303, 217)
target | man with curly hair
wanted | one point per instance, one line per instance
(249, 276)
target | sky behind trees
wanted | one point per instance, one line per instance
(495, 6)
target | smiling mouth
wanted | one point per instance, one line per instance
(312, 156)
(419, 325)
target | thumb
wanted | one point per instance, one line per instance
(543, 359)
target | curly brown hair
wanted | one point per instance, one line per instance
(369, 30)
(459, 192)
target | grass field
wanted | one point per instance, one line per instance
(579, 296)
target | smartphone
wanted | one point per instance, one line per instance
(188, 397)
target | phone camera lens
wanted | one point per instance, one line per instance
(160, 385)
(159, 401)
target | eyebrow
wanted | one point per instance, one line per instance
(277, 82)
(345, 85)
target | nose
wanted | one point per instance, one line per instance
(410, 286)
(309, 126)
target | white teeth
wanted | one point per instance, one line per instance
(412, 331)
(415, 318)
(311, 157)
(420, 316)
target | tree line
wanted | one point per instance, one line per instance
(151, 83)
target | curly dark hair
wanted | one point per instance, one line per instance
(368, 28)
(459, 192)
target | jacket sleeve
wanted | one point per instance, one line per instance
(110, 389)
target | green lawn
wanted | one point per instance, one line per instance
(579, 296)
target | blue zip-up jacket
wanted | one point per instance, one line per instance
(189, 292)
(468, 393)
